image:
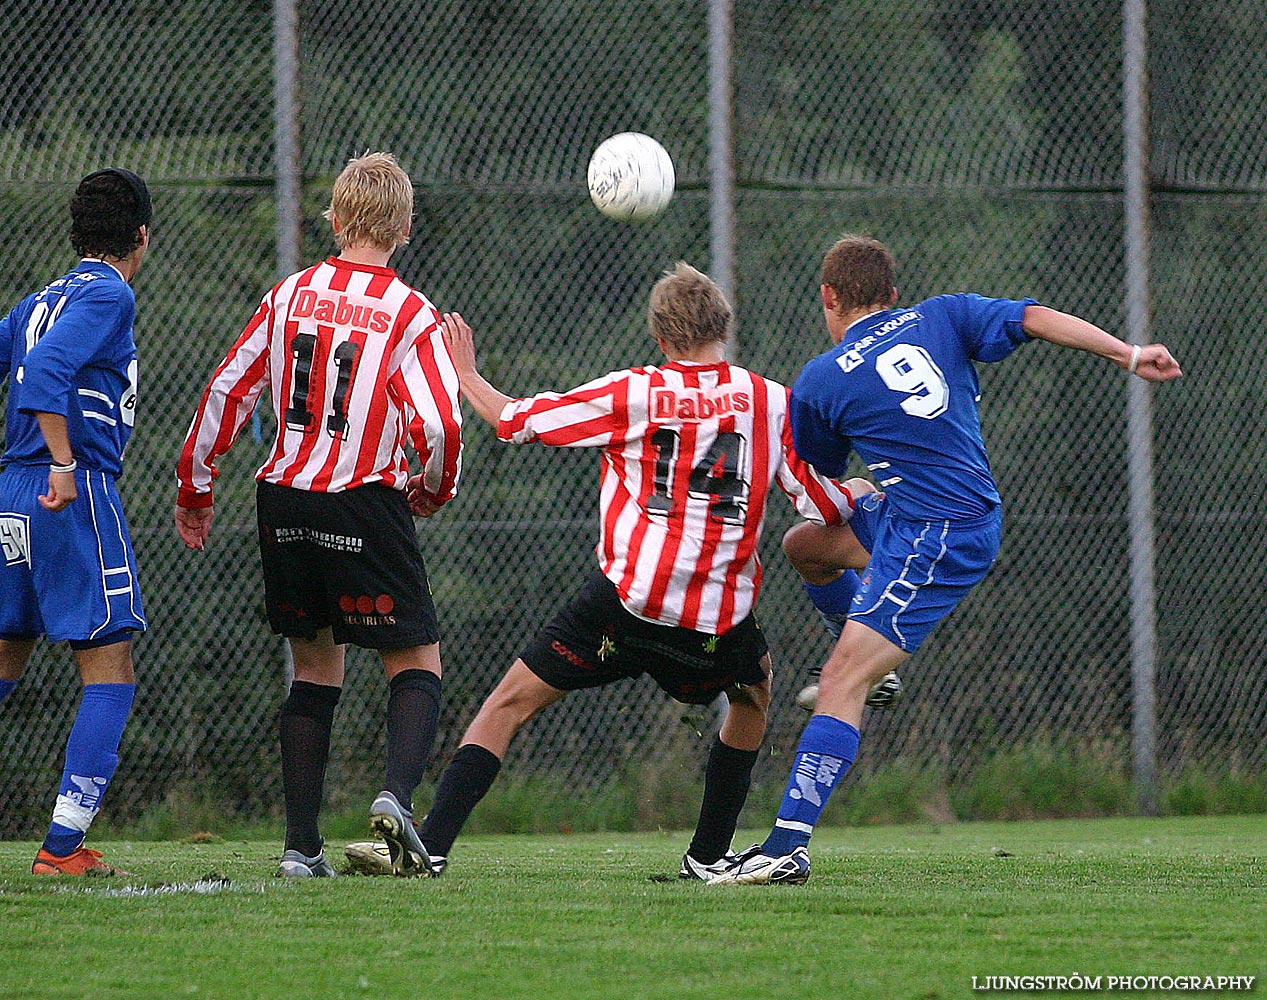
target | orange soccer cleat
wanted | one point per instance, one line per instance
(82, 861)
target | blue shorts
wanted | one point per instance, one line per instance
(919, 570)
(70, 574)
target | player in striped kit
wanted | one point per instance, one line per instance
(68, 571)
(356, 366)
(900, 387)
(690, 452)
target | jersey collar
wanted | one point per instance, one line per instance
(105, 263)
(861, 319)
(697, 366)
(352, 265)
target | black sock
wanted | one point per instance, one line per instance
(726, 783)
(413, 712)
(465, 781)
(305, 722)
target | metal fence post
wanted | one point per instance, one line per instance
(1139, 410)
(286, 134)
(721, 168)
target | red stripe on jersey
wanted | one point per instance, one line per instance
(380, 283)
(375, 418)
(452, 432)
(744, 561)
(760, 472)
(341, 278)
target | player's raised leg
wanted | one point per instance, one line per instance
(92, 756)
(727, 778)
(304, 725)
(413, 713)
(518, 697)
(827, 557)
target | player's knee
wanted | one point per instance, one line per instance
(803, 545)
(753, 699)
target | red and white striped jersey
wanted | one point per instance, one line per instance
(690, 452)
(355, 362)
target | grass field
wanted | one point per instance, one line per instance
(901, 912)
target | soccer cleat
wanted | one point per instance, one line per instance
(372, 857)
(885, 691)
(395, 825)
(762, 869)
(81, 861)
(296, 864)
(697, 871)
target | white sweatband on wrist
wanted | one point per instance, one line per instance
(1134, 359)
(71, 467)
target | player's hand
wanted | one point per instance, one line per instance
(461, 341)
(1156, 364)
(859, 487)
(421, 503)
(193, 524)
(62, 491)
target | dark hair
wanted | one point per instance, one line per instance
(861, 272)
(107, 212)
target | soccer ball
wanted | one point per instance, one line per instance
(630, 177)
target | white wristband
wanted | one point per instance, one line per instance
(54, 467)
(1134, 359)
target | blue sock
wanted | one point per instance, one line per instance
(5, 688)
(828, 746)
(92, 754)
(834, 599)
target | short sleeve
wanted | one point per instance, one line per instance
(991, 329)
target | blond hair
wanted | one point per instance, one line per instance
(373, 202)
(688, 309)
(861, 272)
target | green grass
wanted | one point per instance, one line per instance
(912, 911)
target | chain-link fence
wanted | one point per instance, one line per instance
(981, 139)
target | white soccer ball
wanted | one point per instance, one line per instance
(630, 177)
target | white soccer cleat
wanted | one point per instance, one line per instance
(699, 872)
(754, 868)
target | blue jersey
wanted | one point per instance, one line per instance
(902, 391)
(69, 349)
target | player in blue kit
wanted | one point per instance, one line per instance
(900, 389)
(68, 572)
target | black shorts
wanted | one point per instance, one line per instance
(595, 641)
(346, 560)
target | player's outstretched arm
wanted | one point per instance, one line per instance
(1151, 362)
(486, 400)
